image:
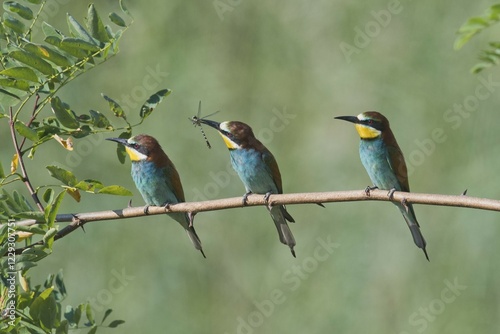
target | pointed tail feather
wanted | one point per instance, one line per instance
(195, 239)
(411, 221)
(183, 219)
(278, 213)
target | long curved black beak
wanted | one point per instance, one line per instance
(119, 141)
(352, 119)
(213, 124)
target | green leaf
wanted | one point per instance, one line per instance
(83, 131)
(33, 255)
(90, 314)
(148, 107)
(32, 61)
(106, 314)
(49, 30)
(24, 73)
(84, 119)
(23, 11)
(78, 313)
(52, 209)
(37, 215)
(474, 23)
(36, 229)
(116, 40)
(43, 309)
(57, 42)
(64, 114)
(35, 252)
(93, 330)
(7, 98)
(116, 323)
(115, 190)
(13, 23)
(10, 202)
(26, 131)
(63, 175)
(479, 67)
(14, 83)
(78, 31)
(78, 44)
(25, 265)
(95, 25)
(21, 201)
(69, 314)
(49, 54)
(120, 149)
(115, 107)
(124, 8)
(99, 120)
(61, 287)
(48, 238)
(90, 186)
(116, 19)
(63, 327)
(48, 195)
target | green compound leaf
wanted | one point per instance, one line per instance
(64, 114)
(21, 10)
(152, 102)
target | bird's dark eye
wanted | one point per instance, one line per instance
(370, 121)
(135, 146)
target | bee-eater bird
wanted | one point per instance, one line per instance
(157, 180)
(257, 169)
(385, 164)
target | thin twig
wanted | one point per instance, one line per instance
(80, 219)
(21, 163)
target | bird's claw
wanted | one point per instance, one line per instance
(166, 206)
(368, 189)
(146, 209)
(191, 218)
(404, 203)
(266, 200)
(390, 194)
(245, 198)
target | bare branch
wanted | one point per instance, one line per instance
(78, 220)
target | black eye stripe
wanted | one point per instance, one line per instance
(227, 134)
(373, 123)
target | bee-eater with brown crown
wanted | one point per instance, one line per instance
(157, 179)
(385, 164)
(257, 169)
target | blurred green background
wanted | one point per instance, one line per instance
(279, 66)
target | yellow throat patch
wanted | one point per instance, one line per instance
(134, 155)
(366, 132)
(229, 143)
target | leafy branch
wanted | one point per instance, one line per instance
(475, 25)
(34, 71)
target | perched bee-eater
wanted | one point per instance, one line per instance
(157, 179)
(257, 169)
(385, 164)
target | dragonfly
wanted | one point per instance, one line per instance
(196, 122)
